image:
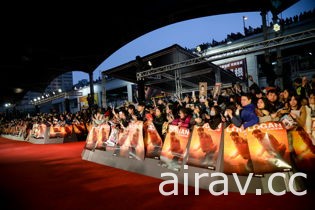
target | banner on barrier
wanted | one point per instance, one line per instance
(38, 131)
(268, 146)
(113, 138)
(304, 150)
(174, 147)
(262, 148)
(79, 129)
(58, 131)
(152, 141)
(237, 158)
(130, 142)
(204, 146)
(102, 136)
(97, 136)
(313, 130)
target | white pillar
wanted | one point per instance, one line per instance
(103, 102)
(129, 92)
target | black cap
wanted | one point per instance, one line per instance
(141, 104)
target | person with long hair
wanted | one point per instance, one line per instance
(159, 119)
(215, 117)
(198, 117)
(183, 120)
(263, 112)
(297, 111)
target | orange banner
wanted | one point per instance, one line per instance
(268, 146)
(130, 142)
(38, 131)
(237, 158)
(175, 147)
(97, 136)
(152, 141)
(304, 150)
(204, 146)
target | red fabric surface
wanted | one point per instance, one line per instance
(55, 177)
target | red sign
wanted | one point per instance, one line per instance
(239, 68)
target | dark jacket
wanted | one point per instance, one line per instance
(215, 121)
(248, 117)
(158, 123)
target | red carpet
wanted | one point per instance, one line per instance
(55, 177)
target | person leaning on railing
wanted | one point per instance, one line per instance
(247, 116)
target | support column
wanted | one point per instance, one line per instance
(279, 70)
(91, 87)
(178, 76)
(141, 94)
(129, 92)
(265, 30)
(178, 83)
(140, 83)
(67, 104)
(266, 65)
(217, 74)
(104, 104)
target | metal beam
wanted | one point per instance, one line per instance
(209, 88)
(232, 52)
(178, 83)
(186, 75)
(58, 95)
(158, 81)
(196, 73)
(171, 77)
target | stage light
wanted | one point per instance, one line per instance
(18, 90)
(149, 63)
(276, 27)
(244, 18)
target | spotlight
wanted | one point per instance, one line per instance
(276, 27)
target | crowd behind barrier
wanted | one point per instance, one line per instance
(295, 109)
(48, 126)
(262, 148)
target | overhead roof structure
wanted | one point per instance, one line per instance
(189, 75)
(40, 42)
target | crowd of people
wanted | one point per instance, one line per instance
(80, 124)
(295, 108)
